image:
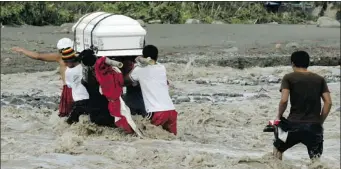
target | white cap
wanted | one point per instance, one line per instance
(64, 43)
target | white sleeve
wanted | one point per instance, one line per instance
(77, 79)
(134, 74)
(68, 79)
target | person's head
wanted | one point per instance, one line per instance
(150, 51)
(64, 43)
(88, 57)
(300, 59)
(70, 57)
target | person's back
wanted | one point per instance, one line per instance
(153, 81)
(306, 89)
(133, 96)
(154, 85)
(304, 124)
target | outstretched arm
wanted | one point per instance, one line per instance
(47, 57)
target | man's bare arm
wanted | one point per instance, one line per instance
(47, 57)
(283, 103)
(127, 80)
(326, 106)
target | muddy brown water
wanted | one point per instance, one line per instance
(222, 108)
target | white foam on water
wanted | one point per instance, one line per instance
(218, 136)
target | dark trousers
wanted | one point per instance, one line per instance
(100, 114)
(309, 134)
(96, 108)
(78, 108)
(134, 100)
(98, 104)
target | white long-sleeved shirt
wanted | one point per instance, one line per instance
(73, 78)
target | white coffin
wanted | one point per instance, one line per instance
(112, 35)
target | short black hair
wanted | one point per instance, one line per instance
(150, 51)
(88, 57)
(300, 59)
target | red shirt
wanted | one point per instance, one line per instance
(111, 82)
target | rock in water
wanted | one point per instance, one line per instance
(52, 106)
(181, 99)
(278, 46)
(7, 60)
(273, 79)
(326, 22)
(16, 101)
(3, 103)
(193, 21)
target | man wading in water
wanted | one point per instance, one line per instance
(155, 90)
(304, 124)
(133, 96)
(66, 101)
(73, 78)
(100, 113)
(110, 80)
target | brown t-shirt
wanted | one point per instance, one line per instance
(306, 89)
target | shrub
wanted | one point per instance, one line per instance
(55, 13)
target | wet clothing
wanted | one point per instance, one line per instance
(120, 120)
(155, 91)
(98, 103)
(306, 89)
(311, 135)
(111, 83)
(304, 121)
(100, 114)
(133, 96)
(166, 119)
(78, 108)
(65, 105)
(73, 78)
(134, 100)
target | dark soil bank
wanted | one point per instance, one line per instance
(237, 46)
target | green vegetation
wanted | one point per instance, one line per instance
(56, 13)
